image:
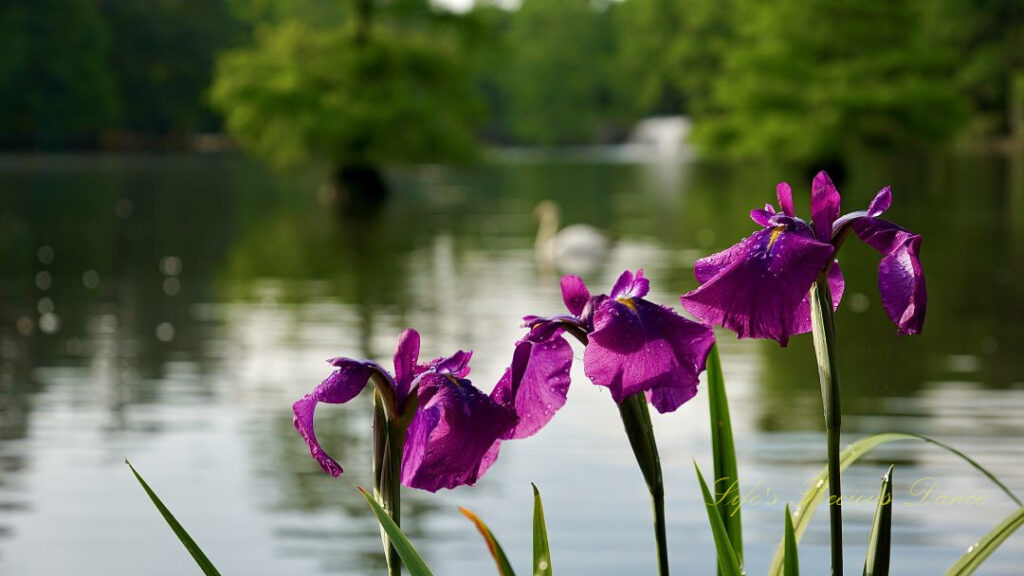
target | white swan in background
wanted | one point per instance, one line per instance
(577, 249)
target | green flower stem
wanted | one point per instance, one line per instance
(637, 420)
(824, 331)
(388, 444)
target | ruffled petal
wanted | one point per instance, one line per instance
(756, 287)
(536, 384)
(638, 346)
(345, 383)
(785, 195)
(574, 294)
(824, 205)
(900, 276)
(453, 438)
(630, 286)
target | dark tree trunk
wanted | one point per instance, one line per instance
(360, 191)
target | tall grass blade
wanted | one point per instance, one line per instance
(728, 563)
(414, 563)
(984, 548)
(500, 559)
(879, 543)
(791, 565)
(815, 494)
(727, 476)
(541, 550)
(200, 558)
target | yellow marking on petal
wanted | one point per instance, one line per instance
(628, 303)
(778, 230)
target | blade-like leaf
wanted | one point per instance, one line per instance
(406, 551)
(727, 477)
(204, 563)
(819, 485)
(728, 563)
(791, 565)
(977, 553)
(500, 559)
(877, 561)
(541, 550)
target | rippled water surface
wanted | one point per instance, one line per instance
(170, 309)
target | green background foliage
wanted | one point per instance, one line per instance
(362, 81)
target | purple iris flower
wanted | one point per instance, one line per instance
(632, 346)
(759, 288)
(454, 430)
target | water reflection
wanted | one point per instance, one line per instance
(172, 308)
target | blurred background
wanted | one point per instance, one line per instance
(201, 201)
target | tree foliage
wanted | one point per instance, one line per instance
(559, 73)
(364, 93)
(814, 79)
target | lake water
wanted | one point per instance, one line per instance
(170, 309)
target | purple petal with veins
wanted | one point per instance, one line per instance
(638, 346)
(756, 287)
(453, 438)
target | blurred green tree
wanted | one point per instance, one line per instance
(56, 85)
(988, 36)
(813, 80)
(388, 84)
(671, 51)
(559, 75)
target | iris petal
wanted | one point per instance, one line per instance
(900, 276)
(785, 195)
(824, 205)
(630, 286)
(453, 438)
(880, 203)
(574, 294)
(762, 217)
(407, 353)
(643, 347)
(756, 287)
(457, 364)
(837, 286)
(535, 386)
(344, 384)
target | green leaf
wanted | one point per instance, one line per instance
(500, 559)
(727, 476)
(541, 550)
(728, 563)
(413, 561)
(877, 561)
(854, 452)
(791, 565)
(204, 563)
(984, 548)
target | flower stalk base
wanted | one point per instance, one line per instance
(637, 420)
(388, 445)
(823, 329)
